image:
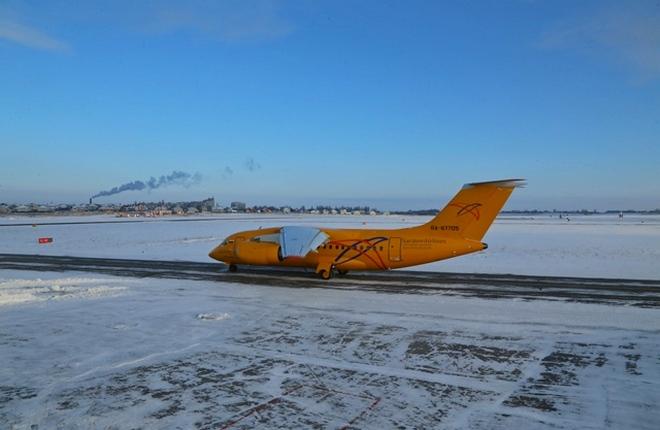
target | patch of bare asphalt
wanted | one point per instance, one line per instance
(11, 340)
(9, 393)
(561, 369)
(631, 357)
(353, 340)
(458, 353)
(534, 402)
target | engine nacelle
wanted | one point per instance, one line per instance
(258, 253)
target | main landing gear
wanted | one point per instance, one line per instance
(327, 272)
(232, 268)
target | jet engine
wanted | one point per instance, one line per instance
(258, 253)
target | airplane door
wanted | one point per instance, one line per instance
(395, 249)
(236, 240)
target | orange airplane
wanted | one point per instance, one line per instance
(456, 230)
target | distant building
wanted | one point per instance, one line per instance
(207, 205)
(162, 211)
(238, 206)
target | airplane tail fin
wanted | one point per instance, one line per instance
(471, 212)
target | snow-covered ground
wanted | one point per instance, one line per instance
(594, 246)
(94, 351)
(91, 351)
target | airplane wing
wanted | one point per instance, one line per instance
(300, 241)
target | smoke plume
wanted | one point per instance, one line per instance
(227, 172)
(179, 178)
(251, 165)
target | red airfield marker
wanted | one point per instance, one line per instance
(43, 240)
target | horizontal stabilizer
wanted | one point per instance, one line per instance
(503, 183)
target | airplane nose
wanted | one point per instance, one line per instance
(215, 253)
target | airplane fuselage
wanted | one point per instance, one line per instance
(349, 249)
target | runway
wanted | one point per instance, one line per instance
(631, 292)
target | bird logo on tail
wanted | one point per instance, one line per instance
(471, 208)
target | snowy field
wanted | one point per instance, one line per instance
(592, 246)
(82, 351)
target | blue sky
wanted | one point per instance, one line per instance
(395, 104)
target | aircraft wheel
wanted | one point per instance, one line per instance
(325, 274)
(233, 268)
(342, 272)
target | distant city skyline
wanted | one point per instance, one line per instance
(384, 204)
(393, 105)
